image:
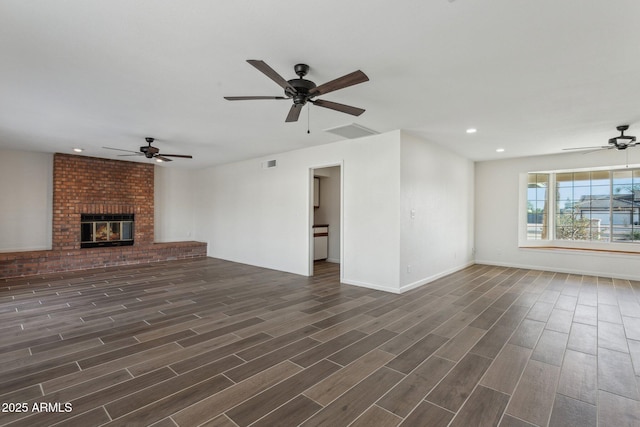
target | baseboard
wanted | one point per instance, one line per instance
(369, 286)
(581, 272)
(430, 279)
(333, 260)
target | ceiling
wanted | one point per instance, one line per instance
(533, 76)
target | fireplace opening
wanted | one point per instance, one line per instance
(100, 230)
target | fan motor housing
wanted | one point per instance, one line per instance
(302, 87)
(149, 150)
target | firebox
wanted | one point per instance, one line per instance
(100, 230)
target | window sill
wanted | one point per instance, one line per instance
(584, 250)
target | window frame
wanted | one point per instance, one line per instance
(551, 242)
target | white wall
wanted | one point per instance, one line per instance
(436, 212)
(173, 204)
(26, 200)
(496, 189)
(263, 217)
(329, 210)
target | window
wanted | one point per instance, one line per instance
(537, 206)
(582, 208)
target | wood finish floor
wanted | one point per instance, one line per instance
(214, 343)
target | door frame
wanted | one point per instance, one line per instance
(310, 219)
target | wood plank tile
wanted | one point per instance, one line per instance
(362, 347)
(634, 351)
(509, 421)
(253, 367)
(578, 377)
(258, 406)
(457, 347)
(120, 324)
(615, 373)
(586, 314)
(277, 342)
(540, 311)
(451, 327)
(612, 336)
(134, 401)
(568, 412)
(218, 353)
(632, 327)
(560, 321)
(609, 313)
(162, 408)
(617, 411)
(411, 390)
(94, 417)
(483, 408)
(291, 413)
(187, 342)
(534, 396)
(351, 404)
(583, 338)
(333, 386)
(376, 417)
(409, 359)
(550, 347)
(487, 318)
(505, 371)
(567, 302)
(321, 351)
(428, 415)
(512, 318)
(214, 405)
(99, 398)
(220, 421)
(492, 342)
(456, 387)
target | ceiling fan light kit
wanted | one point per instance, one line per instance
(301, 90)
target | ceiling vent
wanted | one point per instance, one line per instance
(352, 131)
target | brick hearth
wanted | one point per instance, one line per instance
(91, 185)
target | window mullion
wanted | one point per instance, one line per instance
(551, 218)
(610, 207)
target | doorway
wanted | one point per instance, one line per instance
(325, 248)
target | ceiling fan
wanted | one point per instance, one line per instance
(150, 152)
(621, 142)
(302, 91)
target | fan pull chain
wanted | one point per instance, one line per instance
(308, 119)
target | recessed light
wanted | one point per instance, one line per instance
(159, 160)
(472, 130)
(78, 150)
(499, 150)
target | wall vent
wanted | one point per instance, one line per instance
(269, 164)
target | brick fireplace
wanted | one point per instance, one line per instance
(88, 185)
(98, 187)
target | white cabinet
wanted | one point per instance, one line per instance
(320, 242)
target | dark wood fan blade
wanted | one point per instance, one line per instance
(354, 111)
(184, 156)
(164, 159)
(341, 82)
(119, 149)
(271, 73)
(130, 155)
(246, 98)
(294, 113)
